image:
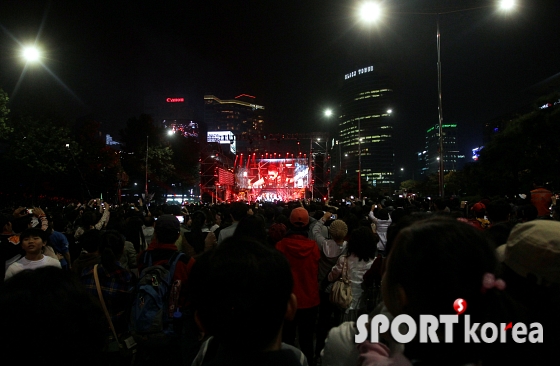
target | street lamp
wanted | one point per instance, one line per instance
(31, 54)
(371, 12)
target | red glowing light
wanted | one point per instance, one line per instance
(175, 100)
(244, 95)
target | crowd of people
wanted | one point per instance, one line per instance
(251, 283)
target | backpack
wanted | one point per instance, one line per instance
(155, 299)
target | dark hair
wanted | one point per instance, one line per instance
(238, 285)
(90, 240)
(19, 224)
(363, 243)
(27, 233)
(149, 221)
(440, 204)
(238, 210)
(527, 212)
(133, 233)
(435, 262)
(396, 226)
(88, 219)
(498, 210)
(252, 226)
(55, 308)
(111, 248)
(382, 214)
(196, 237)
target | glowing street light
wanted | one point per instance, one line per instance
(31, 54)
(370, 11)
(507, 4)
(328, 112)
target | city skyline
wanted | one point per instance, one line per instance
(105, 58)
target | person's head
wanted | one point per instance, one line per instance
(538, 182)
(498, 210)
(440, 204)
(252, 226)
(218, 218)
(527, 213)
(432, 263)
(276, 232)
(382, 214)
(33, 241)
(238, 210)
(338, 230)
(47, 308)
(198, 220)
(90, 240)
(363, 243)
(111, 248)
(89, 219)
(167, 229)
(479, 209)
(19, 224)
(149, 221)
(5, 224)
(299, 218)
(238, 285)
(532, 251)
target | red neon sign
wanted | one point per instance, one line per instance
(175, 100)
(244, 95)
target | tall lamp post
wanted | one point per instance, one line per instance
(328, 114)
(359, 160)
(371, 11)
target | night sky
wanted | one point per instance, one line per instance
(103, 57)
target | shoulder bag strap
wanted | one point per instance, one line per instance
(345, 269)
(100, 294)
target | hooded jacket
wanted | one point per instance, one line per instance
(303, 255)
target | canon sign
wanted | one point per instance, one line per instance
(175, 100)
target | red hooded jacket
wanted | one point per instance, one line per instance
(303, 255)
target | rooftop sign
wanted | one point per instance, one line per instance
(358, 72)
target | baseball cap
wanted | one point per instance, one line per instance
(534, 248)
(168, 223)
(299, 217)
(478, 207)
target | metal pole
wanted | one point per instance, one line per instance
(359, 161)
(440, 109)
(339, 157)
(311, 165)
(147, 137)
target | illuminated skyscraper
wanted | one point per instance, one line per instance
(239, 115)
(366, 125)
(452, 159)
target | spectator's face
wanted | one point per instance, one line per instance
(33, 245)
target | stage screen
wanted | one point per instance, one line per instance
(264, 174)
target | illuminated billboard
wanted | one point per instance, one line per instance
(223, 137)
(273, 173)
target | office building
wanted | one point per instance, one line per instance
(239, 115)
(366, 127)
(452, 159)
